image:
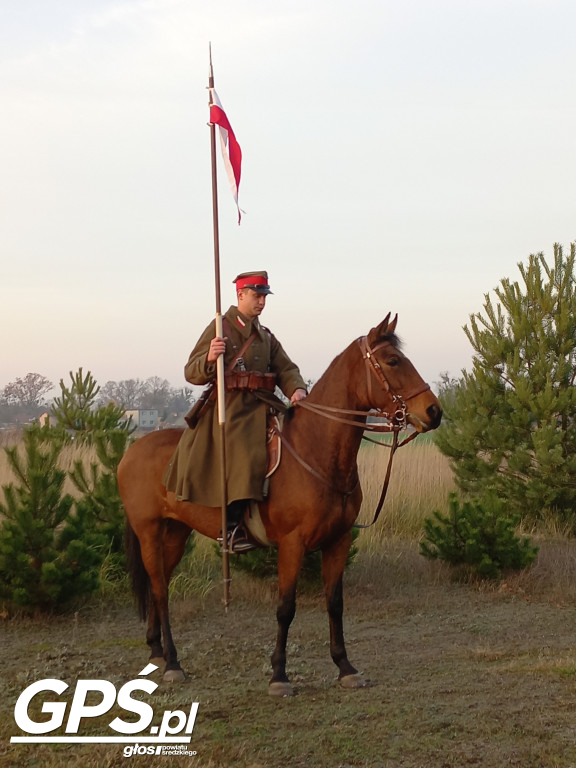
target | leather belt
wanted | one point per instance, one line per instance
(250, 380)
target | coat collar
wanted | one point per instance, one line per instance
(243, 324)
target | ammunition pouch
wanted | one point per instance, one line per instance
(233, 380)
(250, 380)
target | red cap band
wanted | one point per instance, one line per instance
(248, 282)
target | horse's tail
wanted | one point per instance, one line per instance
(138, 574)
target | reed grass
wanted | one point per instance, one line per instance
(68, 457)
(198, 571)
(421, 482)
(388, 552)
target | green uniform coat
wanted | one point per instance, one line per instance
(194, 471)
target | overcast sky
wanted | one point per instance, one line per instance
(399, 156)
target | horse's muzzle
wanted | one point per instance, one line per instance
(434, 412)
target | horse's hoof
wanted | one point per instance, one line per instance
(352, 681)
(280, 690)
(174, 676)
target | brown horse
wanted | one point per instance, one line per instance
(313, 502)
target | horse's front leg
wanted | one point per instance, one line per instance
(290, 555)
(154, 635)
(333, 564)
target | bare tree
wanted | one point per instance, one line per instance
(158, 393)
(28, 392)
(128, 393)
(154, 393)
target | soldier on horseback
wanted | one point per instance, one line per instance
(255, 363)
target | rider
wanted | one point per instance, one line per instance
(194, 471)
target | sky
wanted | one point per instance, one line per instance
(399, 157)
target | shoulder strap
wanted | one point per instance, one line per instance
(244, 347)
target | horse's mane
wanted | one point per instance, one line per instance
(391, 338)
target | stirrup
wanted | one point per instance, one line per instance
(237, 541)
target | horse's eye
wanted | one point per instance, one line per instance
(393, 361)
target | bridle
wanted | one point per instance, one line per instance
(395, 421)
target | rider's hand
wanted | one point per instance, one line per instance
(298, 394)
(217, 348)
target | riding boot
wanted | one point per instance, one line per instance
(235, 512)
(237, 537)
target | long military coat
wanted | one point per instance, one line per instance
(194, 471)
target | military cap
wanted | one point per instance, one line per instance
(258, 281)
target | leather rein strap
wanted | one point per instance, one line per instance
(311, 469)
(394, 422)
(395, 445)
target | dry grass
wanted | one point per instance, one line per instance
(552, 577)
(69, 455)
(420, 483)
(388, 552)
(9, 437)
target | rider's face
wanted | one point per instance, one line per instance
(250, 302)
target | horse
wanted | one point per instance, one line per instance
(313, 501)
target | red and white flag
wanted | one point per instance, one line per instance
(231, 151)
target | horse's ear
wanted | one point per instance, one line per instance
(386, 327)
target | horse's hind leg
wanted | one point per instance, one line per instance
(174, 538)
(290, 555)
(160, 558)
(333, 564)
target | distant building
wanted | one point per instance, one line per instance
(144, 418)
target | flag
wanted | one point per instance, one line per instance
(231, 151)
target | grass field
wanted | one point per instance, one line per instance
(477, 674)
(459, 675)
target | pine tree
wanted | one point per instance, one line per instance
(76, 412)
(478, 537)
(510, 423)
(100, 499)
(79, 416)
(47, 556)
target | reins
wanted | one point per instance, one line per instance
(311, 469)
(393, 448)
(395, 422)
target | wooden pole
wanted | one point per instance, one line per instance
(220, 361)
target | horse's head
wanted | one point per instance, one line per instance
(392, 384)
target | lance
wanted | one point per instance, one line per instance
(220, 361)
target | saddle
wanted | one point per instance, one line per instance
(273, 446)
(252, 521)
